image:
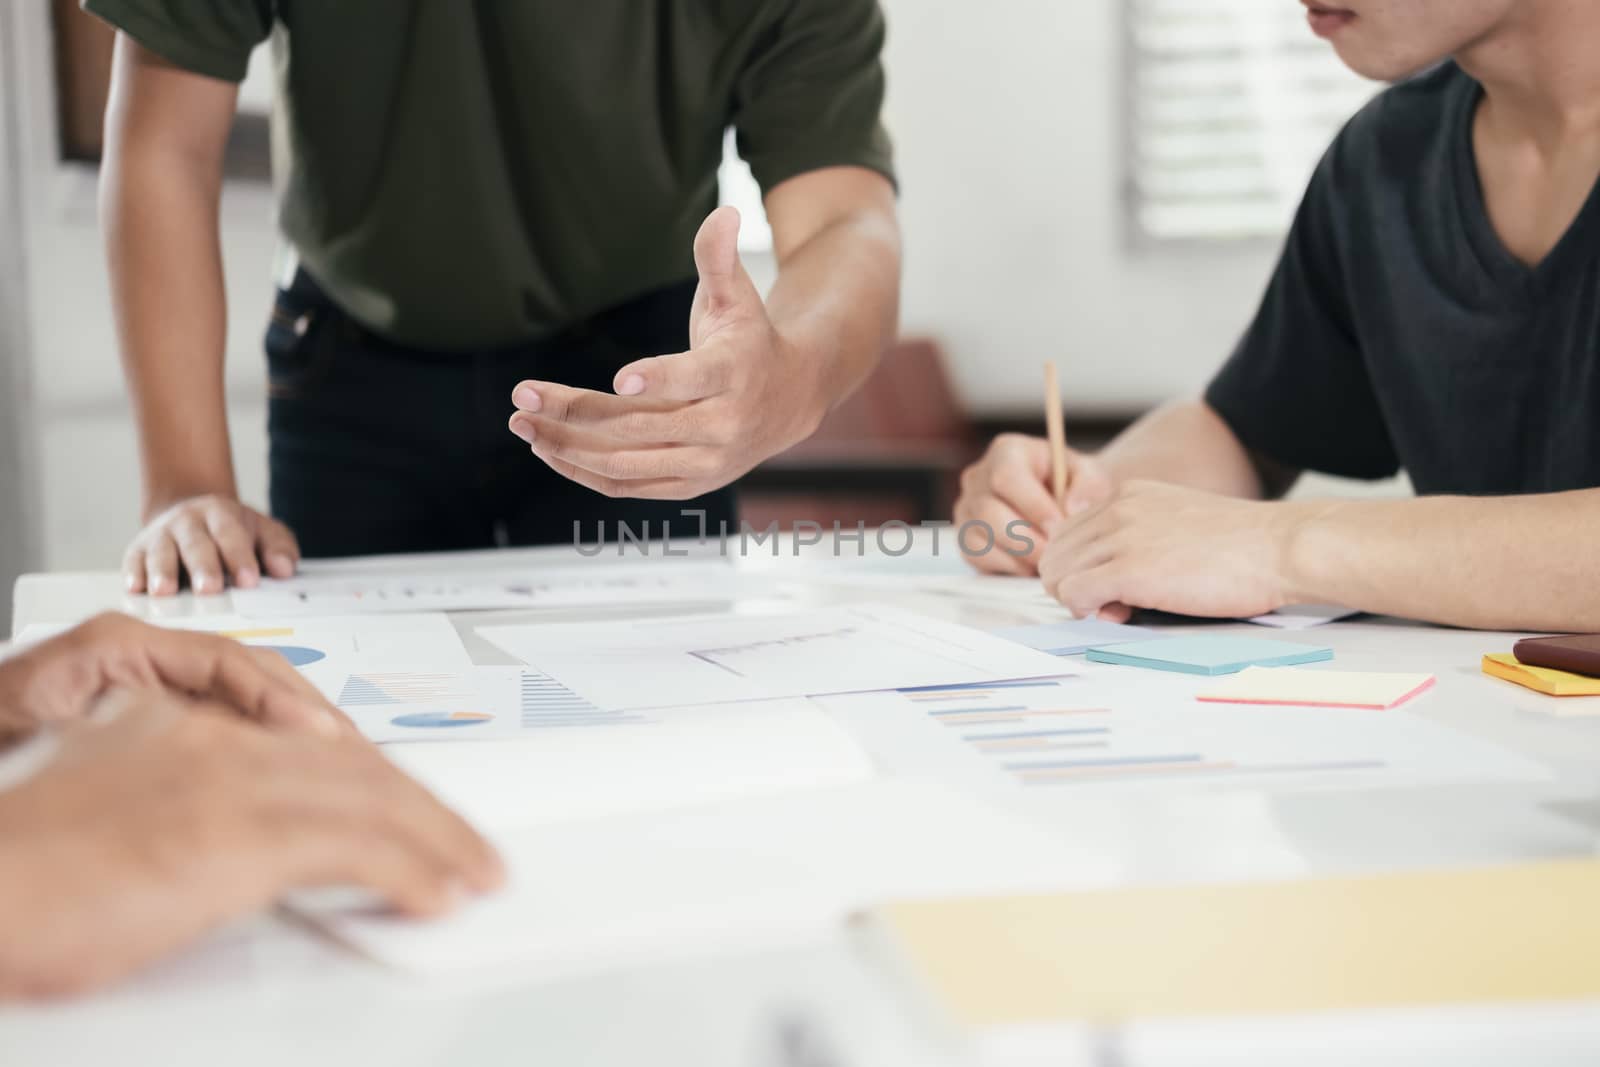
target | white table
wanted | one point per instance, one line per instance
(268, 992)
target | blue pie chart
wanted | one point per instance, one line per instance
(298, 657)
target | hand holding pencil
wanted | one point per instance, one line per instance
(1056, 433)
(1036, 482)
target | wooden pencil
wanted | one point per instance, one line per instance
(1055, 426)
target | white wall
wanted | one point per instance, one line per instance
(1006, 117)
(1007, 120)
(19, 529)
(87, 449)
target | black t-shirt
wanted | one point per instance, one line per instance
(1398, 332)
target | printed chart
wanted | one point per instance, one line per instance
(325, 591)
(548, 705)
(1040, 742)
(333, 646)
(713, 659)
(1033, 733)
(384, 690)
(479, 703)
(277, 639)
(442, 720)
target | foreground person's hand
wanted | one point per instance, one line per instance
(157, 820)
(59, 680)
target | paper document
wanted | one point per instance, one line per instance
(727, 878)
(1023, 590)
(395, 639)
(1036, 746)
(1303, 616)
(1072, 637)
(470, 704)
(1334, 689)
(1522, 933)
(1208, 654)
(709, 659)
(323, 648)
(1029, 591)
(633, 762)
(946, 575)
(327, 592)
(35, 632)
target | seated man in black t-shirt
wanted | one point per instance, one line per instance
(1436, 310)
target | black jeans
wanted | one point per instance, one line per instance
(379, 448)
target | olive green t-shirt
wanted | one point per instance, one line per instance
(465, 174)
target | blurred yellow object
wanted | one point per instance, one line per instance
(1543, 679)
(1517, 933)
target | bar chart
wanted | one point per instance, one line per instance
(1036, 734)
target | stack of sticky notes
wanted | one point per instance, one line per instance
(1523, 933)
(1541, 679)
(1318, 689)
(1209, 654)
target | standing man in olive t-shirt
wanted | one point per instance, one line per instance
(492, 205)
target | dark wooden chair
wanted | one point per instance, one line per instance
(892, 451)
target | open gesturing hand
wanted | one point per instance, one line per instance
(682, 425)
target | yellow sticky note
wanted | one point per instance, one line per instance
(1543, 679)
(1330, 689)
(1517, 933)
(257, 635)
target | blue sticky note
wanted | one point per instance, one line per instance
(1072, 637)
(1209, 654)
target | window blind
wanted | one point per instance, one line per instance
(1231, 104)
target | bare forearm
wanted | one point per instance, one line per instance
(1506, 563)
(1185, 443)
(159, 198)
(837, 303)
(166, 282)
(170, 322)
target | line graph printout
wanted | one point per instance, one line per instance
(329, 592)
(710, 659)
(1042, 742)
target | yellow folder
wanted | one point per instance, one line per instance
(1516, 933)
(1543, 679)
